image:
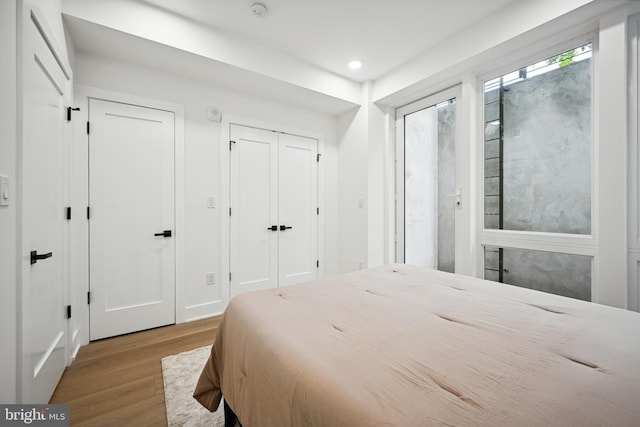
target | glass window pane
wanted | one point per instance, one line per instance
(556, 273)
(429, 179)
(537, 146)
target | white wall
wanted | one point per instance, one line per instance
(378, 195)
(8, 225)
(363, 194)
(352, 191)
(202, 142)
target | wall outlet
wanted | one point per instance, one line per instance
(211, 279)
(211, 202)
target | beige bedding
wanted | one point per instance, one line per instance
(400, 345)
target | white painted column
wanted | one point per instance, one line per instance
(467, 261)
(353, 162)
(375, 182)
(610, 126)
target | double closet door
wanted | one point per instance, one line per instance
(274, 209)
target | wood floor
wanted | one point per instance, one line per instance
(118, 381)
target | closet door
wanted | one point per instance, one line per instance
(298, 215)
(254, 209)
(274, 209)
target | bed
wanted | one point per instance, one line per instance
(406, 346)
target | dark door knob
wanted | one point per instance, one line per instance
(165, 233)
(35, 256)
(284, 227)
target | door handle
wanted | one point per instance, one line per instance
(35, 256)
(165, 233)
(273, 228)
(457, 197)
(284, 227)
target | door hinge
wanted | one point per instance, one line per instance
(229, 211)
(89, 297)
(69, 110)
(317, 211)
(67, 213)
(229, 276)
(88, 128)
(230, 144)
(88, 212)
(317, 263)
(68, 312)
(318, 157)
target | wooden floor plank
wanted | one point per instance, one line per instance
(118, 381)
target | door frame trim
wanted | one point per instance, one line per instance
(81, 266)
(225, 181)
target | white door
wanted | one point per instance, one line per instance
(131, 226)
(43, 334)
(297, 213)
(274, 201)
(254, 209)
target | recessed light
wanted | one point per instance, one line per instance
(354, 65)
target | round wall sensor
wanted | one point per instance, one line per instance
(258, 10)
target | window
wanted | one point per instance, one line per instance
(538, 175)
(537, 146)
(556, 273)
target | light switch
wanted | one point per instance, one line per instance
(211, 202)
(211, 279)
(4, 190)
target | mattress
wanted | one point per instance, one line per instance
(407, 346)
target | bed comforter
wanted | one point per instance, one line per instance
(405, 346)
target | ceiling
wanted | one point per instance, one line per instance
(298, 53)
(382, 34)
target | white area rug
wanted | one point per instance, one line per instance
(180, 373)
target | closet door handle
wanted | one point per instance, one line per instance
(284, 227)
(35, 256)
(165, 233)
(273, 228)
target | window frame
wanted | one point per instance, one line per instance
(574, 244)
(633, 195)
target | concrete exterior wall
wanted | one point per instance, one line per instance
(547, 152)
(547, 177)
(556, 273)
(429, 180)
(446, 187)
(421, 187)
